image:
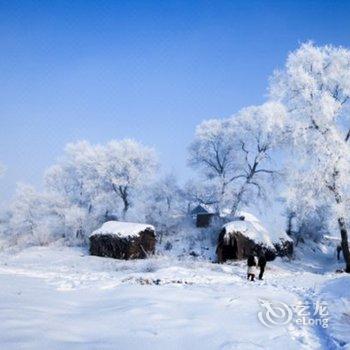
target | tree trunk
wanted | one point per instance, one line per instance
(341, 222)
(124, 196)
(122, 192)
(344, 243)
(290, 218)
(126, 207)
(79, 233)
(238, 199)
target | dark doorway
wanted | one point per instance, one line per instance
(229, 251)
(204, 220)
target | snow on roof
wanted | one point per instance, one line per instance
(122, 229)
(252, 228)
(202, 209)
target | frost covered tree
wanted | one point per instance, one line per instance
(26, 209)
(34, 217)
(213, 153)
(88, 182)
(314, 87)
(39, 218)
(207, 191)
(259, 131)
(234, 154)
(102, 178)
(164, 203)
(166, 193)
(75, 177)
(306, 210)
(126, 167)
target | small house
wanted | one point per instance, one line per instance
(203, 215)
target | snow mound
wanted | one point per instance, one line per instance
(252, 228)
(122, 229)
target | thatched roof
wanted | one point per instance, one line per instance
(122, 229)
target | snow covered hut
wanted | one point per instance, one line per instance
(240, 238)
(123, 240)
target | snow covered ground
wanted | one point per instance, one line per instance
(62, 298)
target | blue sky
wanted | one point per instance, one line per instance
(149, 70)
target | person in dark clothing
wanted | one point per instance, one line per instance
(262, 265)
(338, 251)
(251, 262)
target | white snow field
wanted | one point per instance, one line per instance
(62, 298)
